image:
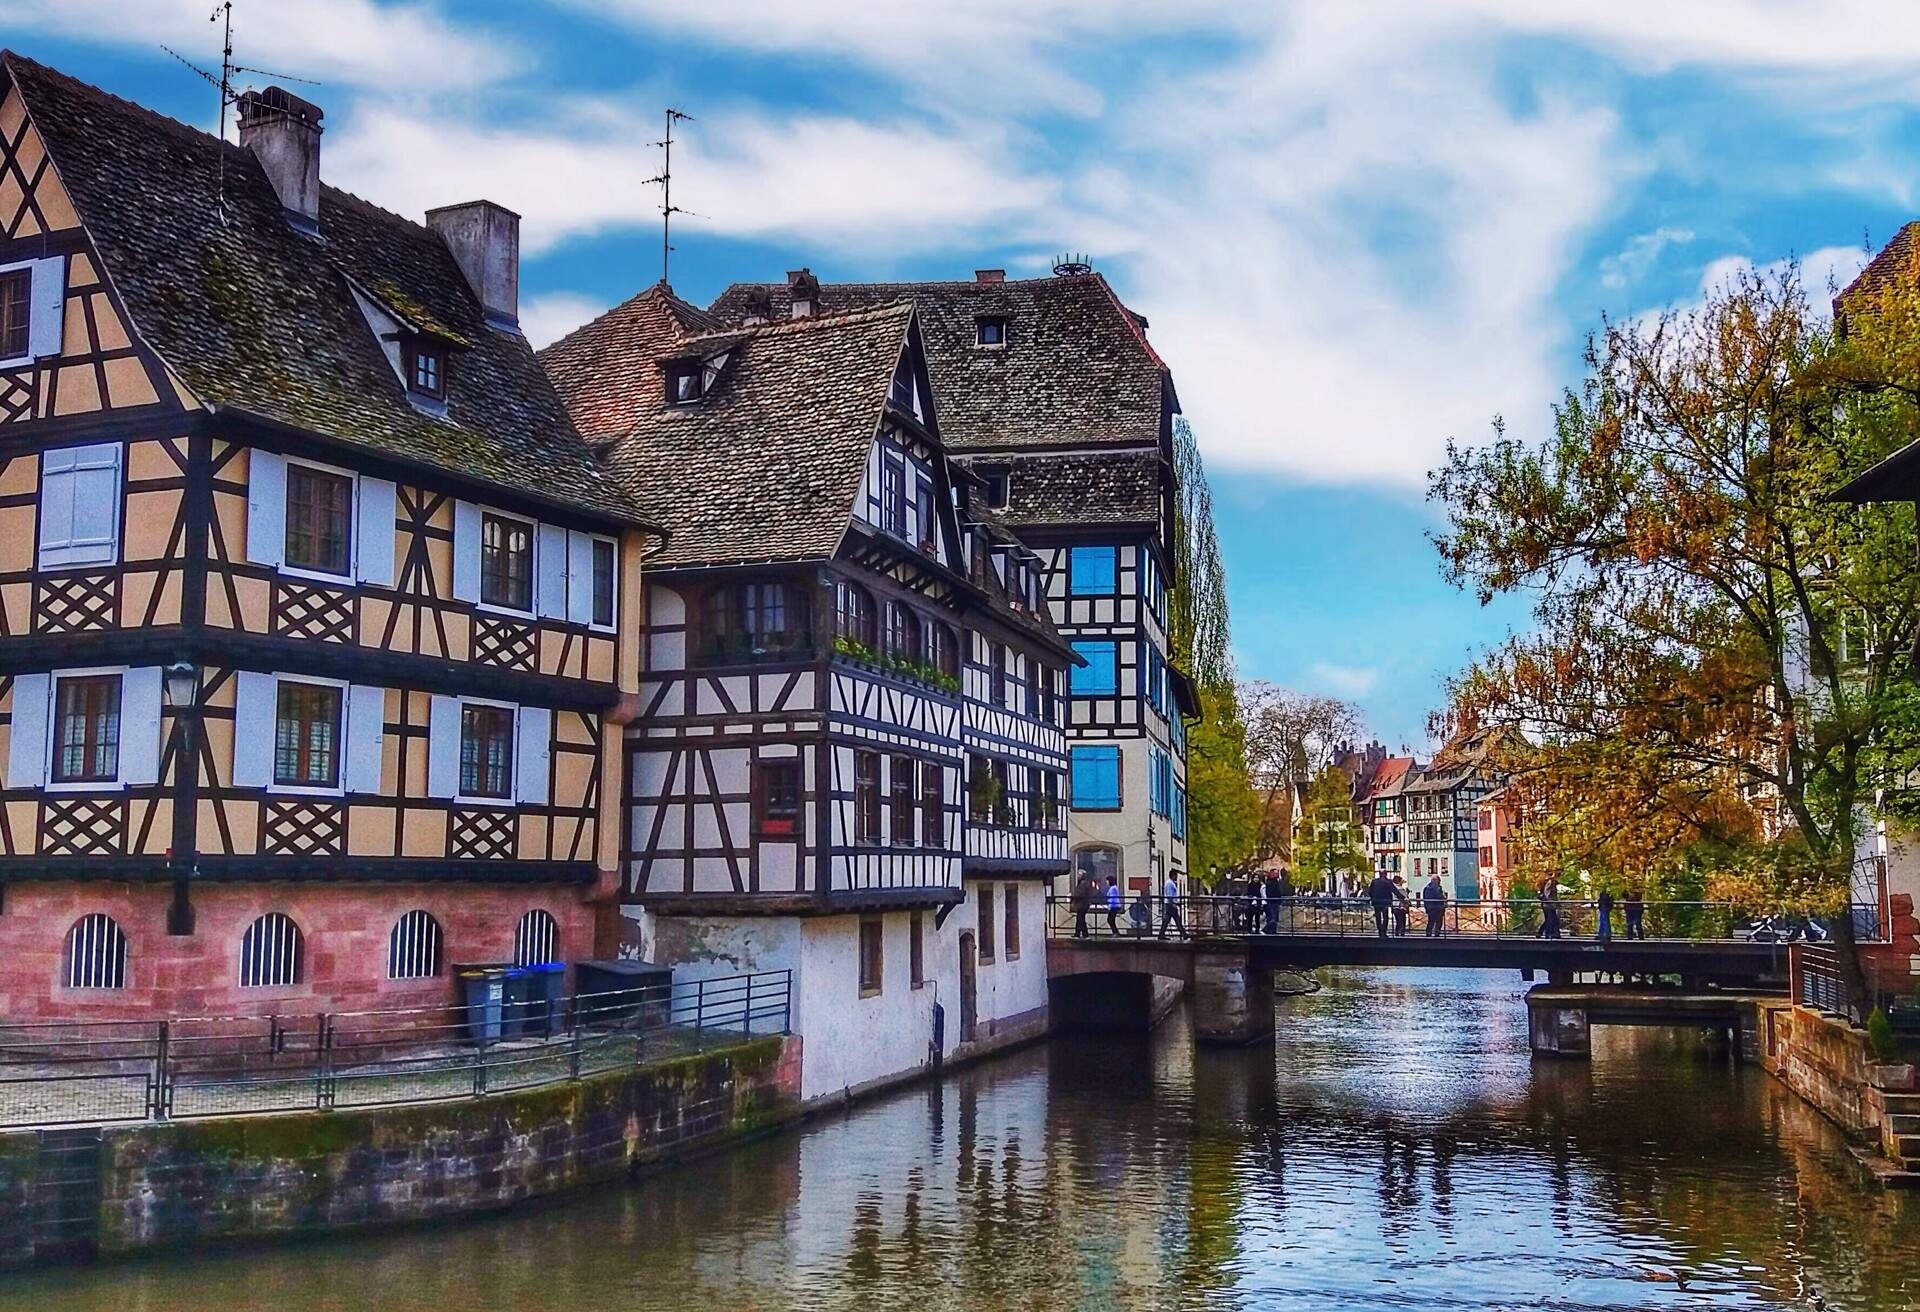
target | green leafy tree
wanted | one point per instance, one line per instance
(1328, 844)
(1718, 644)
(1223, 812)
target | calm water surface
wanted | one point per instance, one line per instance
(1397, 1148)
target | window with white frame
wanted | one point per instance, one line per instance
(270, 952)
(488, 752)
(318, 520)
(96, 954)
(80, 505)
(32, 309)
(506, 562)
(536, 940)
(307, 735)
(413, 947)
(85, 729)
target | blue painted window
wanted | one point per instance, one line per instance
(1160, 782)
(1096, 778)
(1179, 812)
(1098, 676)
(1155, 673)
(1090, 571)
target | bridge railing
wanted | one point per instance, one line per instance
(1217, 916)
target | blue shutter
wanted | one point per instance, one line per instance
(550, 571)
(1090, 571)
(374, 530)
(1096, 778)
(266, 507)
(532, 752)
(443, 746)
(466, 551)
(366, 738)
(1097, 676)
(255, 710)
(47, 311)
(140, 725)
(579, 578)
(27, 743)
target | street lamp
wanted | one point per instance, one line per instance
(180, 689)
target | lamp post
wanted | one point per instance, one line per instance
(180, 689)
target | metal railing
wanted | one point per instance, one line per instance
(87, 1072)
(1215, 916)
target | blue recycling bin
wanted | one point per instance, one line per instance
(484, 990)
(518, 1007)
(546, 997)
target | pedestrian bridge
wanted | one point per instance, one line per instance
(1226, 949)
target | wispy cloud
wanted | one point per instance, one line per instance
(1344, 680)
(1631, 262)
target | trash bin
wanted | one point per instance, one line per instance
(519, 1001)
(546, 998)
(621, 993)
(483, 990)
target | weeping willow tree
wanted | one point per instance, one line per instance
(1223, 811)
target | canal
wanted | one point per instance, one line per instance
(1397, 1148)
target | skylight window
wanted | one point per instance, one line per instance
(990, 331)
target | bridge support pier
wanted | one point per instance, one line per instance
(1232, 1000)
(1556, 1031)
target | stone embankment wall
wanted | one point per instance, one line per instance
(125, 1189)
(1829, 1065)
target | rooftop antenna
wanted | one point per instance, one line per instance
(667, 208)
(1068, 266)
(223, 15)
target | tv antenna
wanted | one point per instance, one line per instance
(223, 15)
(667, 208)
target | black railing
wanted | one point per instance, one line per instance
(87, 1072)
(1217, 916)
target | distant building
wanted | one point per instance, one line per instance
(1497, 819)
(1384, 815)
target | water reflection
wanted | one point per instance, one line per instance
(1398, 1147)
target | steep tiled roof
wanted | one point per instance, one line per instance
(1076, 367)
(259, 319)
(1100, 487)
(1895, 261)
(608, 370)
(767, 464)
(1389, 779)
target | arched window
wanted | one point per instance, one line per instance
(903, 632)
(96, 954)
(413, 947)
(943, 649)
(536, 941)
(270, 952)
(856, 617)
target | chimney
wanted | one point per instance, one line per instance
(485, 241)
(989, 275)
(283, 132)
(806, 292)
(759, 307)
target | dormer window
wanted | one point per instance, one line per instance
(999, 489)
(990, 331)
(686, 382)
(427, 369)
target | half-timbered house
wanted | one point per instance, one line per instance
(1063, 412)
(315, 609)
(845, 757)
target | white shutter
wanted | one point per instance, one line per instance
(532, 749)
(266, 508)
(443, 747)
(49, 312)
(366, 736)
(80, 505)
(550, 571)
(27, 745)
(140, 725)
(579, 578)
(466, 551)
(374, 529)
(256, 708)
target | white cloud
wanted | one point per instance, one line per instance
(547, 318)
(833, 182)
(1344, 680)
(1631, 262)
(357, 42)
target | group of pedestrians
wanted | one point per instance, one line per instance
(1391, 901)
(1633, 906)
(1091, 898)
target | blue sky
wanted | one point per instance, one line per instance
(1358, 230)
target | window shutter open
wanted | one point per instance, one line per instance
(374, 528)
(366, 736)
(255, 710)
(550, 571)
(27, 747)
(466, 551)
(49, 311)
(140, 725)
(532, 750)
(579, 578)
(443, 747)
(80, 505)
(266, 508)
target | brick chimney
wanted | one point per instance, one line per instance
(989, 275)
(283, 132)
(806, 292)
(485, 241)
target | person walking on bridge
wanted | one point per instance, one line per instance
(1636, 909)
(1604, 929)
(1380, 894)
(1170, 907)
(1402, 904)
(1275, 892)
(1549, 908)
(1434, 899)
(1082, 903)
(1113, 904)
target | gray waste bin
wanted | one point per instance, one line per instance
(623, 993)
(483, 992)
